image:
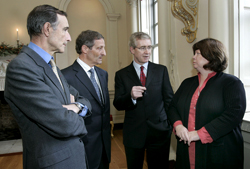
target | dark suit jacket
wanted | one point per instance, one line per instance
(98, 124)
(150, 110)
(50, 133)
(220, 109)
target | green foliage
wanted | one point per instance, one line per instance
(6, 49)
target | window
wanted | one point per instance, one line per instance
(243, 66)
(154, 32)
(149, 24)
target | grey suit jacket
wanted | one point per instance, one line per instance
(50, 133)
(98, 124)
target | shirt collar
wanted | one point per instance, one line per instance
(84, 65)
(137, 66)
(42, 53)
(208, 77)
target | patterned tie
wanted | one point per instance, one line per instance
(53, 65)
(92, 78)
(142, 77)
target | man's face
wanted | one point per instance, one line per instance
(95, 55)
(141, 52)
(59, 37)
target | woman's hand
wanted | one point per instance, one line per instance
(193, 136)
(182, 133)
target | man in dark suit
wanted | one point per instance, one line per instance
(48, 111)
(143, 90)
(90, 46)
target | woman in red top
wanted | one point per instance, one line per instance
(206, 112)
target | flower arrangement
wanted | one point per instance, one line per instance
(6, 49)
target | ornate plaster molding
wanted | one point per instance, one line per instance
(107, 6)
(63, 4)
(113, 16)
(187, 12)
(132, 2)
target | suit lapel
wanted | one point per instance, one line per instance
(48, 71)
(150, 73)
(133, 75)
(51, 75)
(85, 80)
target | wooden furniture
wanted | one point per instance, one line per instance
(112, 125)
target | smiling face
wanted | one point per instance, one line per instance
(141, 56)
(59, 37)
(199, 61)
(95, 54)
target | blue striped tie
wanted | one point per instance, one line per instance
(92, 78)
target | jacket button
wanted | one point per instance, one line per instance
(80, 140)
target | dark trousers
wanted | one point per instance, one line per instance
(104, 164)
(156, 148)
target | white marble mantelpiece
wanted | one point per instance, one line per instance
(4, 61)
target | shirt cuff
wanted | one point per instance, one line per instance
(176, 124)
(204, 136)
(134, 101)
(84, 110)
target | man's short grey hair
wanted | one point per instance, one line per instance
(137, 36)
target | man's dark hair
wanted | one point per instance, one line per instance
(87, 38)
(39, 16)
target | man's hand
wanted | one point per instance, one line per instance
(182, 133)
(72, 107)
(137, 91)
(72, 98)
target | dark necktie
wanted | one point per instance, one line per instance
(142, 77)
(92, 78)
(53, 65)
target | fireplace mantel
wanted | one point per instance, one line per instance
(4, 61)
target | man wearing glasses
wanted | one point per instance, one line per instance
(143, 90)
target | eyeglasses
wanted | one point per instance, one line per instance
(143, 48)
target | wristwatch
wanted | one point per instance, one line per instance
(79, 106)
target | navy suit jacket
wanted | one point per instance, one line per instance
(98, 124)
(50, 133)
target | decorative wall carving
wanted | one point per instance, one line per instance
(132, 2)
(187, 12)
(113, 16)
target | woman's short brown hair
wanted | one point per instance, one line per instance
(214, 51)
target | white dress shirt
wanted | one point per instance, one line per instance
(86, 68)
(138, 72)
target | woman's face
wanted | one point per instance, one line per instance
(199, 61)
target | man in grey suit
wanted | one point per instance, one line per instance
(90, 46)
(48, 111)
(143, 90)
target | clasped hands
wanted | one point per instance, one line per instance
(185, 135)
